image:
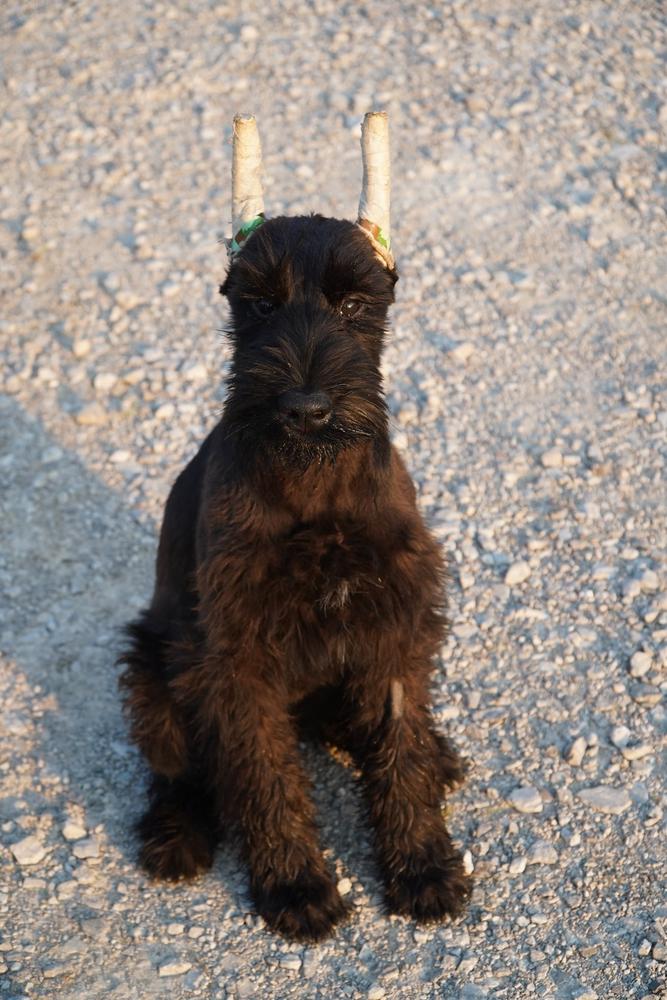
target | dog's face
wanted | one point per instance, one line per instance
(309, 303)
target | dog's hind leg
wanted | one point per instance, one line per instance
(178, 831)
(157, 725)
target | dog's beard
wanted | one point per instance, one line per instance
(300, 452)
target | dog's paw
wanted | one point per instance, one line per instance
(304, 909)
(452, 768)
(430, 891)
(172, 846)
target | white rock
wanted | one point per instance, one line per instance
(576, 753)
(542, 853)
(476, 103)
(606, 799)
(89, 848)
(620, 736)
(468, 865)
(344, 886)
(291, 962)
(526, 799)
(53, 971)
(165, 412)
(72, 830)
(92, 415)
(29, 851)
(376, 992)
(81, 347)
(104, 381)
(462, 352)
(173, 967)
(517, 865)
(640, 663)
(196, 373)
(517, 573)
(552, 458)
(649, 580)
(635, 751)
(127, 300)
(615, 79)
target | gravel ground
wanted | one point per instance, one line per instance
(526, 378)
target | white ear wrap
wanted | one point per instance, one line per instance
(247, 195)
(374, 217)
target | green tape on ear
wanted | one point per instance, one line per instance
(244, 232)
(381, 238)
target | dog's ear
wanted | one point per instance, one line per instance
(373, 215)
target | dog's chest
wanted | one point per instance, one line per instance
(327, 566)
(328, 581)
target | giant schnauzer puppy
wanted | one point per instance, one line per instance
(298, 590)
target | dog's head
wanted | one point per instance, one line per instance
(309, 300)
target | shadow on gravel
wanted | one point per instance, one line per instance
(75, 565)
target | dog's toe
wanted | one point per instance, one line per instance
(431, 891)
(305, 909)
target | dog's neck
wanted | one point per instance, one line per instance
(349, 488)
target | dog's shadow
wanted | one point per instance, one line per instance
(77, 565)
(76, 562)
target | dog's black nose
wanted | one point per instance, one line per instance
(305, 411)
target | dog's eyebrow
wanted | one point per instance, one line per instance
(270, 279)
(343, 276)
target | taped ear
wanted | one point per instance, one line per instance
(374, 214)
(247, 194)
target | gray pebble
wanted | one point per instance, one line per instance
(173, 967)
(29, 851)
(575, 754)
(526, 799)
(606, 799)
(640, 663)
(92, 415)
(542, 853)
(552, 459)
(517, 573)
(290, 961)
(86, 849)
(73, 830)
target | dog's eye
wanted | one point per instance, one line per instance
(350, 307)
(263, 307)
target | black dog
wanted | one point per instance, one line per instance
(297, 590)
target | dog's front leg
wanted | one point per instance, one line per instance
(262, 786)
(401, 758)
